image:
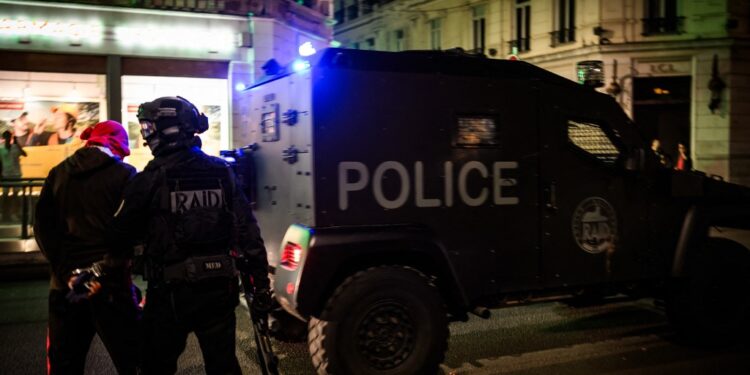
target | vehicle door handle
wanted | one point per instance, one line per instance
(550, 196)
(270, 190)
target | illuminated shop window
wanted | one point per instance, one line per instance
(210, 96)
(47, 112)
(590, 138)
(475, 131)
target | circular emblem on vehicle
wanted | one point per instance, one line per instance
(595, 225)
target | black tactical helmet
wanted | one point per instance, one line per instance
(169, 121)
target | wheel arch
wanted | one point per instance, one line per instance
(337, 253)
(695, 229)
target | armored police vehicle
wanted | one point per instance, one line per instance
(398, 192)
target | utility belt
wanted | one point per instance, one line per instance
(193, 269)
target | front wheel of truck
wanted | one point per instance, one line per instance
(711, 306)
(384, 320)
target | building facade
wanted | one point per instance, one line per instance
(97, 60)
(679, 68)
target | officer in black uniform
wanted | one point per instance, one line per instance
(197, 230)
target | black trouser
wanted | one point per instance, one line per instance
(113, 316)
(173, 311)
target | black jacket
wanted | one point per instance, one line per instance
(141, 219)
(76, 205)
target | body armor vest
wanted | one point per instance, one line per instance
(195, 207)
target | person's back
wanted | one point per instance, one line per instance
(10, 170)
(86, 188)
(10, 154)
(76, 205)
(187, 212)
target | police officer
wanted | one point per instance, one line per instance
(196, 228)
(91, 291)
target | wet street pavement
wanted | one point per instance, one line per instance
(626, 337)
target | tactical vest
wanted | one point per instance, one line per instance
(195, 209)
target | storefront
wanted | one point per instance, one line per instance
(62, 62)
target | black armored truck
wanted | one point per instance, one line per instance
(398, 192)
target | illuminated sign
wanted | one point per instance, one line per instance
(146, 37)
(176, 37)
(57, 29)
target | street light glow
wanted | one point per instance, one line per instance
(306, 49)
(300, 65)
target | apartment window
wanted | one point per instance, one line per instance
(370, 43)
(479, 28)
(661, 17)
(355, 45)
(565, 23)
(399, 42)
(522, 25)
(338, 15)
(368, 5)
(435, 34)
(352, 11)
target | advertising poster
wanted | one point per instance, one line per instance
(211, 138)
(47, 130)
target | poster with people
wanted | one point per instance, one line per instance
(48, 130)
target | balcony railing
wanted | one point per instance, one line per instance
(368, 6)
(562, 36)
(522, 45)
(661, 26)
(18, 197)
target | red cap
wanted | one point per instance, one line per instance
(109, 134)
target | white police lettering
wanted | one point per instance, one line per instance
(345, 186)
(462, 188)
(448, 183)
(394, 169)
(377, 184)
(182, 201)
(421, 201)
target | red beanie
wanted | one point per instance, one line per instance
(109, 134)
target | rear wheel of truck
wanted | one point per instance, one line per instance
(285, 327)
(711, 306)
(384, 320)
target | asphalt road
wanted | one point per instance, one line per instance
(626, 337)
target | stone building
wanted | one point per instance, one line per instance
(679, 68)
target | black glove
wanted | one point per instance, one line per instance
(84, 283)
(262, 303)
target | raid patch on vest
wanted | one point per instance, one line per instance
(186, 200)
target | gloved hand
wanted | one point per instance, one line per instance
(83, 283)
(262, 303)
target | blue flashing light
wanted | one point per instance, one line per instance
(300, 65)
(306, 49)
(239, 86)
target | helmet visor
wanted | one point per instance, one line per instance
(148, 128)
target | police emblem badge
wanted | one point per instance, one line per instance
(595, 225)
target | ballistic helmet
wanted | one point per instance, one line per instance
(169, 122)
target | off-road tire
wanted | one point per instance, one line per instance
(385, 320)
(711, 306)
(287, 328)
